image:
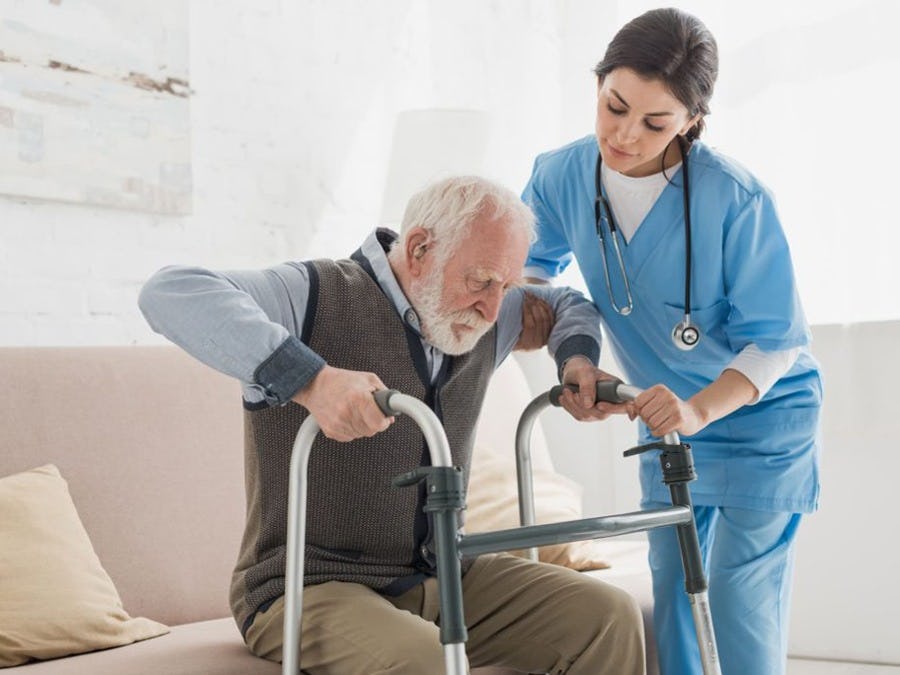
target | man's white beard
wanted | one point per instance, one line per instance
(437, 324)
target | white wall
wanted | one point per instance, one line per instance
(846, 594)
(291, 120)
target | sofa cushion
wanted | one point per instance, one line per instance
(55, 597)
(150, 443)
(208, 647)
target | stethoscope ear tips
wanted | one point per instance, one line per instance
(685, 335)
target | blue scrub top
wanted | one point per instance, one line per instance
(762, 456)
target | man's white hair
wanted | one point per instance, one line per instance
(449, 208)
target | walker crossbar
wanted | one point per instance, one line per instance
(572, 530)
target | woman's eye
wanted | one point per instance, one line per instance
(652, 127)
(615, 111)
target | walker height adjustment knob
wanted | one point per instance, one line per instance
(676, 460)
(444, 486)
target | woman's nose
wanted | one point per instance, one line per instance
(628, 131)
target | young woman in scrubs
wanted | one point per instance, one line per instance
(747, 395)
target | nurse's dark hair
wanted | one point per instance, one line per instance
(671, 46)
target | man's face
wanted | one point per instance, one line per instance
(459, 301)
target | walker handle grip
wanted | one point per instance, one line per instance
(607, 390)
(383, 400)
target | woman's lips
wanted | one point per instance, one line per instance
(616, 152)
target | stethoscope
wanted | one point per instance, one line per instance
(685, 334)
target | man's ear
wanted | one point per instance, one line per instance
(417, 244)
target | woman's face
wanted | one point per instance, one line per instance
(637, 119)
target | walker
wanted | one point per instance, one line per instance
(446, 497)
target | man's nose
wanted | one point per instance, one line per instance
(489, 306)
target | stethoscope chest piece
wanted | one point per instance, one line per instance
(685, 335)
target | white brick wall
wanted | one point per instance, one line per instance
(291, 122)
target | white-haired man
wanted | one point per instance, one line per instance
(430, 313)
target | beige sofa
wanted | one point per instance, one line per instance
(149, 441)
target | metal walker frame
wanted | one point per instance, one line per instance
(446, 497)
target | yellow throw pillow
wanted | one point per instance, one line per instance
(55, 597)
(492, 503)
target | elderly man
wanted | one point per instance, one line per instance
(430, 313)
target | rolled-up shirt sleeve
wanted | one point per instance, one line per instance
(245, 324)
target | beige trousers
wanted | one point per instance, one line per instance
(531, 617)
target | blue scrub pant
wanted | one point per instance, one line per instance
(748, 557)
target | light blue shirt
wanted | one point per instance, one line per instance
(247, 324)
(743, 292)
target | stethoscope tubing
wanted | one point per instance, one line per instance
(685, 334)
(600, 203)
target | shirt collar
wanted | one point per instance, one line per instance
(374, 249)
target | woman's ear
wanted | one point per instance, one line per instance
(690, 124)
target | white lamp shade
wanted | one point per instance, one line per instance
(429, 145)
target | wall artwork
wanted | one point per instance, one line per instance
(94, 102)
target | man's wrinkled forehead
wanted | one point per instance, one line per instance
(511, 276)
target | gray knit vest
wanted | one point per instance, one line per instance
(360, 529)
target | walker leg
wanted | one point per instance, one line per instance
(695, 583)
(455, 660)
(449, 574)
(706, 638)
(296, 540)
(445, 497)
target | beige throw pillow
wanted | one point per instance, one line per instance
(55, 597)
(492, 498)
(492, 503)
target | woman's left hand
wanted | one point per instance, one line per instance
(663, 412)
